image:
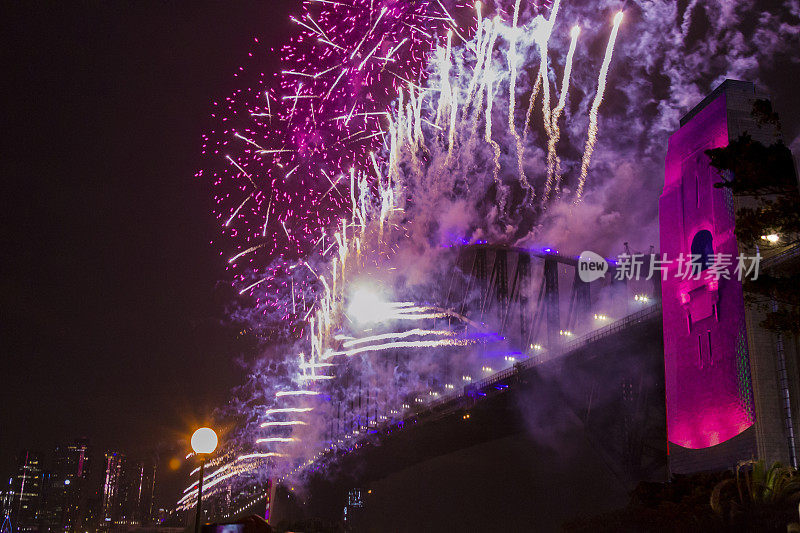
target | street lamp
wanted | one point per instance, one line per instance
(204, 442)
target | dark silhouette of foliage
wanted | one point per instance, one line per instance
(754, 169)
(764, 114)
(765, 179)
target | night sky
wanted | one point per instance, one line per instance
(113, 308)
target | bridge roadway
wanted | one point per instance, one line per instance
(565, 432)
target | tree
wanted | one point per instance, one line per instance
(765, 180)
(756, 490)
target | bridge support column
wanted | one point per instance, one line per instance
(551, 301)
(583, 301)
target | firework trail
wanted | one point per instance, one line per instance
(296, 393)
(401, 344)
(598, 99)
(416, 332)
(552, 158)
(275, 439)
(502, 189)
(512, 100)
(287, 410)
(283, 424)
(237, 466)
(543, 32)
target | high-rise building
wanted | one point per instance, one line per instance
(147, 493)
(728, 391)
(128, 490)
(71, 491)
(24, 495)
(111, 487)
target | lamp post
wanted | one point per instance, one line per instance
(204, 442)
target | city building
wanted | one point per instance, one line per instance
(23, 497)
(111, 487)
(128, 490)
(79, 493)
(731, 385)
(71, 499)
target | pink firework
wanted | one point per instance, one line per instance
(283, 144)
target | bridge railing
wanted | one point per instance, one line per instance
(494, 378)
(643, 315)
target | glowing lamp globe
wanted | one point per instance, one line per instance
(204, 440)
